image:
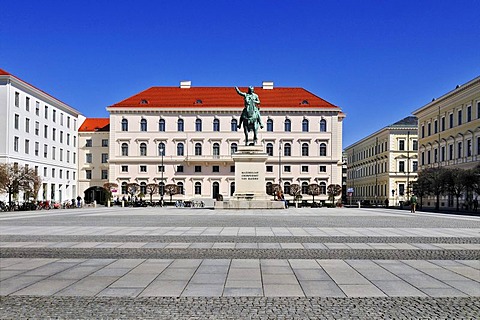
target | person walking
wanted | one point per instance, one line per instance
(413, 203)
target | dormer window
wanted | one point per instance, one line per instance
(305, 102)
(144, 101)
(198, 101)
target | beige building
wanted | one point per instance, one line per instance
(186, 136)
(382, 165)
(93, 136)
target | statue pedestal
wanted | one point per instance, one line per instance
(249, 181)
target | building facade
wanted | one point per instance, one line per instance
(383, 165)
(186, 136)
(40, 131)
(93, 148)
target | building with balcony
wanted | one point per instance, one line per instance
(186, 136)
(383, 165)
(39, 131)
(93, 148)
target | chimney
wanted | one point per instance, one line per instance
(267, 85)
(185, 84)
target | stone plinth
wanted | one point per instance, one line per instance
(250, 181)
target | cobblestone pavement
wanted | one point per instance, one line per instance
(123, 263)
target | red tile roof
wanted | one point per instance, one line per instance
(4, 73)
(94, 124)
(222, 97)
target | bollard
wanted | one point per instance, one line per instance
(358, 204)
(123, 203)
(94, 203)
(108, 203)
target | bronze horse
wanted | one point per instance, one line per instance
(250, 118)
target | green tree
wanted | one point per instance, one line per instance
(436, 179)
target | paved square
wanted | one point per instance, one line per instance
(139, 255)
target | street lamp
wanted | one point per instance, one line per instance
(162, 192)
(280, 164)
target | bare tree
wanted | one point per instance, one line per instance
(171, 189)
(334, 190)
(152, 188)
(133, 189)
(313, 190)
(109, 186)
(295, 191)
(15, 178)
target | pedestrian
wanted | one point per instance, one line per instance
(413, 203)
(79, 202)
(386, 203)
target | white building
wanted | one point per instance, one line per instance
(196, 127)
(40, 131)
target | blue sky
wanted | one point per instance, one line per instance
(377, 60)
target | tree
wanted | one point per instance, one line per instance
(436, 181)
(420, 188)
(295, 191)
(133, 189)
(313, 190)
(15, 178)
(109, 186)
(171, 189)
(334, 190)
(152, 188)
(455, 183)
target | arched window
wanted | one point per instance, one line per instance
(304, 187)
(234, 125)
(323, 149)
(124, 125)
(269, 189)
(304, 149)
(216, 150)
(161, 125)
(270, 149)
(161, 149)
(143, 188)
(180, 125)
(286, 188)
(270, 125)
(124, 149)
(323, 125)
(305, 125)
(198, 125)
(288, 125)
(323, 187)
(215, 190)
(143, 125)
(233, 148)
(287, 149)
(198, 188)
(161, 188)
(198, 149)
(216, 125)
(124, 187)
(180, 149)
(143, 149)
(180, 187)
(232, 188)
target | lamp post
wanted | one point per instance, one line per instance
(280, 164)
(162, 151)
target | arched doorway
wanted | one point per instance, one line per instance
(215, 190)
(96, 193)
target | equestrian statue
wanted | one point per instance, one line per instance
(250, 118)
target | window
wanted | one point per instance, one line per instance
(180, 187)
(323, 187)
(68, 156)
(287, 169)
(17, 121)
(442, 124)
(270, 149)
(401, 145)
(304, 125)
(450, 152)
(54, 152)
(61, 119)
(288, 125)
(198, 149)
(469, 113)
(234, 125)
(305, 149)
(104, 157)
(68, 123)
(423, 131)
(198, 125)
(161, 149)
(124, 168)
(54, 133)
(429, 129)
(88, 174)
(323, 149)
(27, 125)
(37, 148)
(27, 146)
(459, 117)
(287, 150)
(442, 153)
(143, 168)
(104, 141)
(161, 125)
(104, 174)
(286, 187)
(143, 188)
(61, 154)
(478, 110)
(27, 103)
(143, 125)
(74, 141)
(37, 108)
(323, 125)
(232, 168)
(215, 169)
(124, 149)
(88, 143)
(180, 149)
(17, 99)
(459, 149)
(305, 187)
(233, 148)
(322, 168)
(180, 125)
(45, 172)
(216, 150)
(88, 158)
(478, 145)
(216, 125)
(179, 168)
(401, 166)
(45, 150)
(198, 188)
(124, 125)
(160, 168)
(269, 168)
(270, 125)
(415, 166)
(124, 188)
(46, 112)
(304, 168)
(435, 126)
(37, 128)
(469, 148)
(429, 156)
(54, 115)
(198, 168)
(415, 145)
(435, 155)
(401, 189)
(450, 120)
(143, 149)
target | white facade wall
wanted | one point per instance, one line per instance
(296, 168)
(32, 118)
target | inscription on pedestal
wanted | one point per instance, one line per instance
(249, 175)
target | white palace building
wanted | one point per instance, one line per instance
(186, 136)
